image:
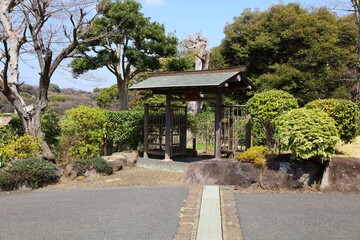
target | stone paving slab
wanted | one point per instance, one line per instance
(210, 215)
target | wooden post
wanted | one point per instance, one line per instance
(146, 130)
(218, 109)
(248, 140)
(168, 126)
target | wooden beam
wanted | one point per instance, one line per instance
(248, 139)
(146, 130)
(168, 125)
(218, 110)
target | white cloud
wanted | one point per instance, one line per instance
(153, 3)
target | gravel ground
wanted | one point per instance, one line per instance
(129, 176)
(162, 165)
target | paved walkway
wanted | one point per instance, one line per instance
(209, 213)
(212, 212)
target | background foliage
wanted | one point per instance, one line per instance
(125, 129)
(301, 51)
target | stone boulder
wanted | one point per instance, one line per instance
(117, 164)
(91, 174)
(342, 174)
(69, 172)
(131, 156)
(282, 173)
(222, 172)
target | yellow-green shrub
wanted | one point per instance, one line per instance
(256, 155)
(25, 146)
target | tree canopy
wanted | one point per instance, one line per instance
(293, 49)
(135, 46)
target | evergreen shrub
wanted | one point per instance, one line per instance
(29, 172)
(344, 112)
(256, 155)
(308, 133)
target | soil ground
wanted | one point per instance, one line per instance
(138, 176)
(129, 176)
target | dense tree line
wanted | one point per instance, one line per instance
(304, 52)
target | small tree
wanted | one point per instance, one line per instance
(202, 125)
(344, 112)
(136, 45)
(307, 133)
(266, 106)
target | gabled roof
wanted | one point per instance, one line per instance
(205, 79)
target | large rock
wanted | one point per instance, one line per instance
(131, 156)
(281, 173)
(91, 174)
(274, 180)
(69, 172)
(342, 174)
(222, 172)
(117, 164)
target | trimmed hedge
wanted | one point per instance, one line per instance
(267, 105)
(307, 133)
(344, 112)
(125, 129)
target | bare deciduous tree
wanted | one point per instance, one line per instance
(202, 58)
(48, 29)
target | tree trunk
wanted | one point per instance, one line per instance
(30, 118)
(123, 95)
(269, 131)
(356, 6)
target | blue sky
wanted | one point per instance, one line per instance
(182, 17)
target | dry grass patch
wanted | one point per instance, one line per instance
(351, 149)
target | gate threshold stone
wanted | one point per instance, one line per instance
(209, 227)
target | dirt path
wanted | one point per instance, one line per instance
(129, 176)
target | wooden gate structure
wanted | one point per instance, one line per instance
(155, 130)
(235, 129)
(193, 86)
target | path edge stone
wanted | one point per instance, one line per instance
(189, 214)
(231, 227)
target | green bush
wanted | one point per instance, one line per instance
(266, 106)
(51, 129)
(30, 172)
(25, 146)
(256, 155)
(11, 131)
(85, 128)
(307, 133)
(97, 163)
(344, 112)
(125, 129)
